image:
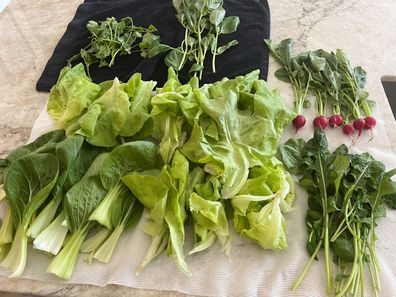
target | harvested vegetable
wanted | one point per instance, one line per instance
(28, 183)
(294, 73)
(188, 154)
(331, 78)
(347, 194)
(111, 38)
(203, 22)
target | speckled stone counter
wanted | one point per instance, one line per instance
(29, 31)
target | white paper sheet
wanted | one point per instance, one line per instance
(252, 272)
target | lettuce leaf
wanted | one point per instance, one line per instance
(71, 95)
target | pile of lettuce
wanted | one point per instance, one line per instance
(186, 154)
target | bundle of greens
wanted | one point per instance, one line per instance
(331, 78)
(188, 154)
(347, 194)
(203, 21)
(53, 185)
(111, 38)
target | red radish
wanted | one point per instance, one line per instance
(299, 122)
(348, 129)
(369, 122)
(359, 124)
(335, 120)
(320, 122)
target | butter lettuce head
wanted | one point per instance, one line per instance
(106, 117)
(267, 227)
(71, 95)
(258, 207)
(163, 195)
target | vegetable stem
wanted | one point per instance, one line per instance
(16, 257)
(352, 275)
(63, 264)
(308, 266)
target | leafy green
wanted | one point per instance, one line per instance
(111, 38)
(28, 183)
(71, 95)
(139, 93)
(162, 193)
(126, 212)
(74, 156)
(105, 117)
(259, 204)
(329, 76)
(126, 158)
(210, 222)
(46, 143)
(346, 196)
(81, 200)
(203, 22)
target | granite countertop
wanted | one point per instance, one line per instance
(31, 29)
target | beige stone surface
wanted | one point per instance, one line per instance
(29, 31)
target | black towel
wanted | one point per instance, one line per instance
(249, 54)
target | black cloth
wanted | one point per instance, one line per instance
(249, 54)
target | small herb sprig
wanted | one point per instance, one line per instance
(203, 21)
(111, 38)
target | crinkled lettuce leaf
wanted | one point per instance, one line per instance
(71, 95)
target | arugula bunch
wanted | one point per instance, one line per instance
(347, 194)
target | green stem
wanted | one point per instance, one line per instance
(352, 275)
(184, 50)
(102, 214)
(105, 251)
(329, 272)
(341, 228)
(7, 228)
(308, 266)
(113, 57)
(17, 256)
(63, 264)
(361, 267)
(215, 52)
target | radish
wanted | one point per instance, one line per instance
(320, 122)
(359, 124)
(299, 122)
(335, 120)
(348, 130)
(369, 122)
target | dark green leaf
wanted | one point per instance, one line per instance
(46, 143)
(195, 68)
(343, 248)
(81, 200)
(126, 158)
(225, 47)
(174, 59)
(28, 183)
(282, 74)
(290, 154)
(229, 25)
(217, 16)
